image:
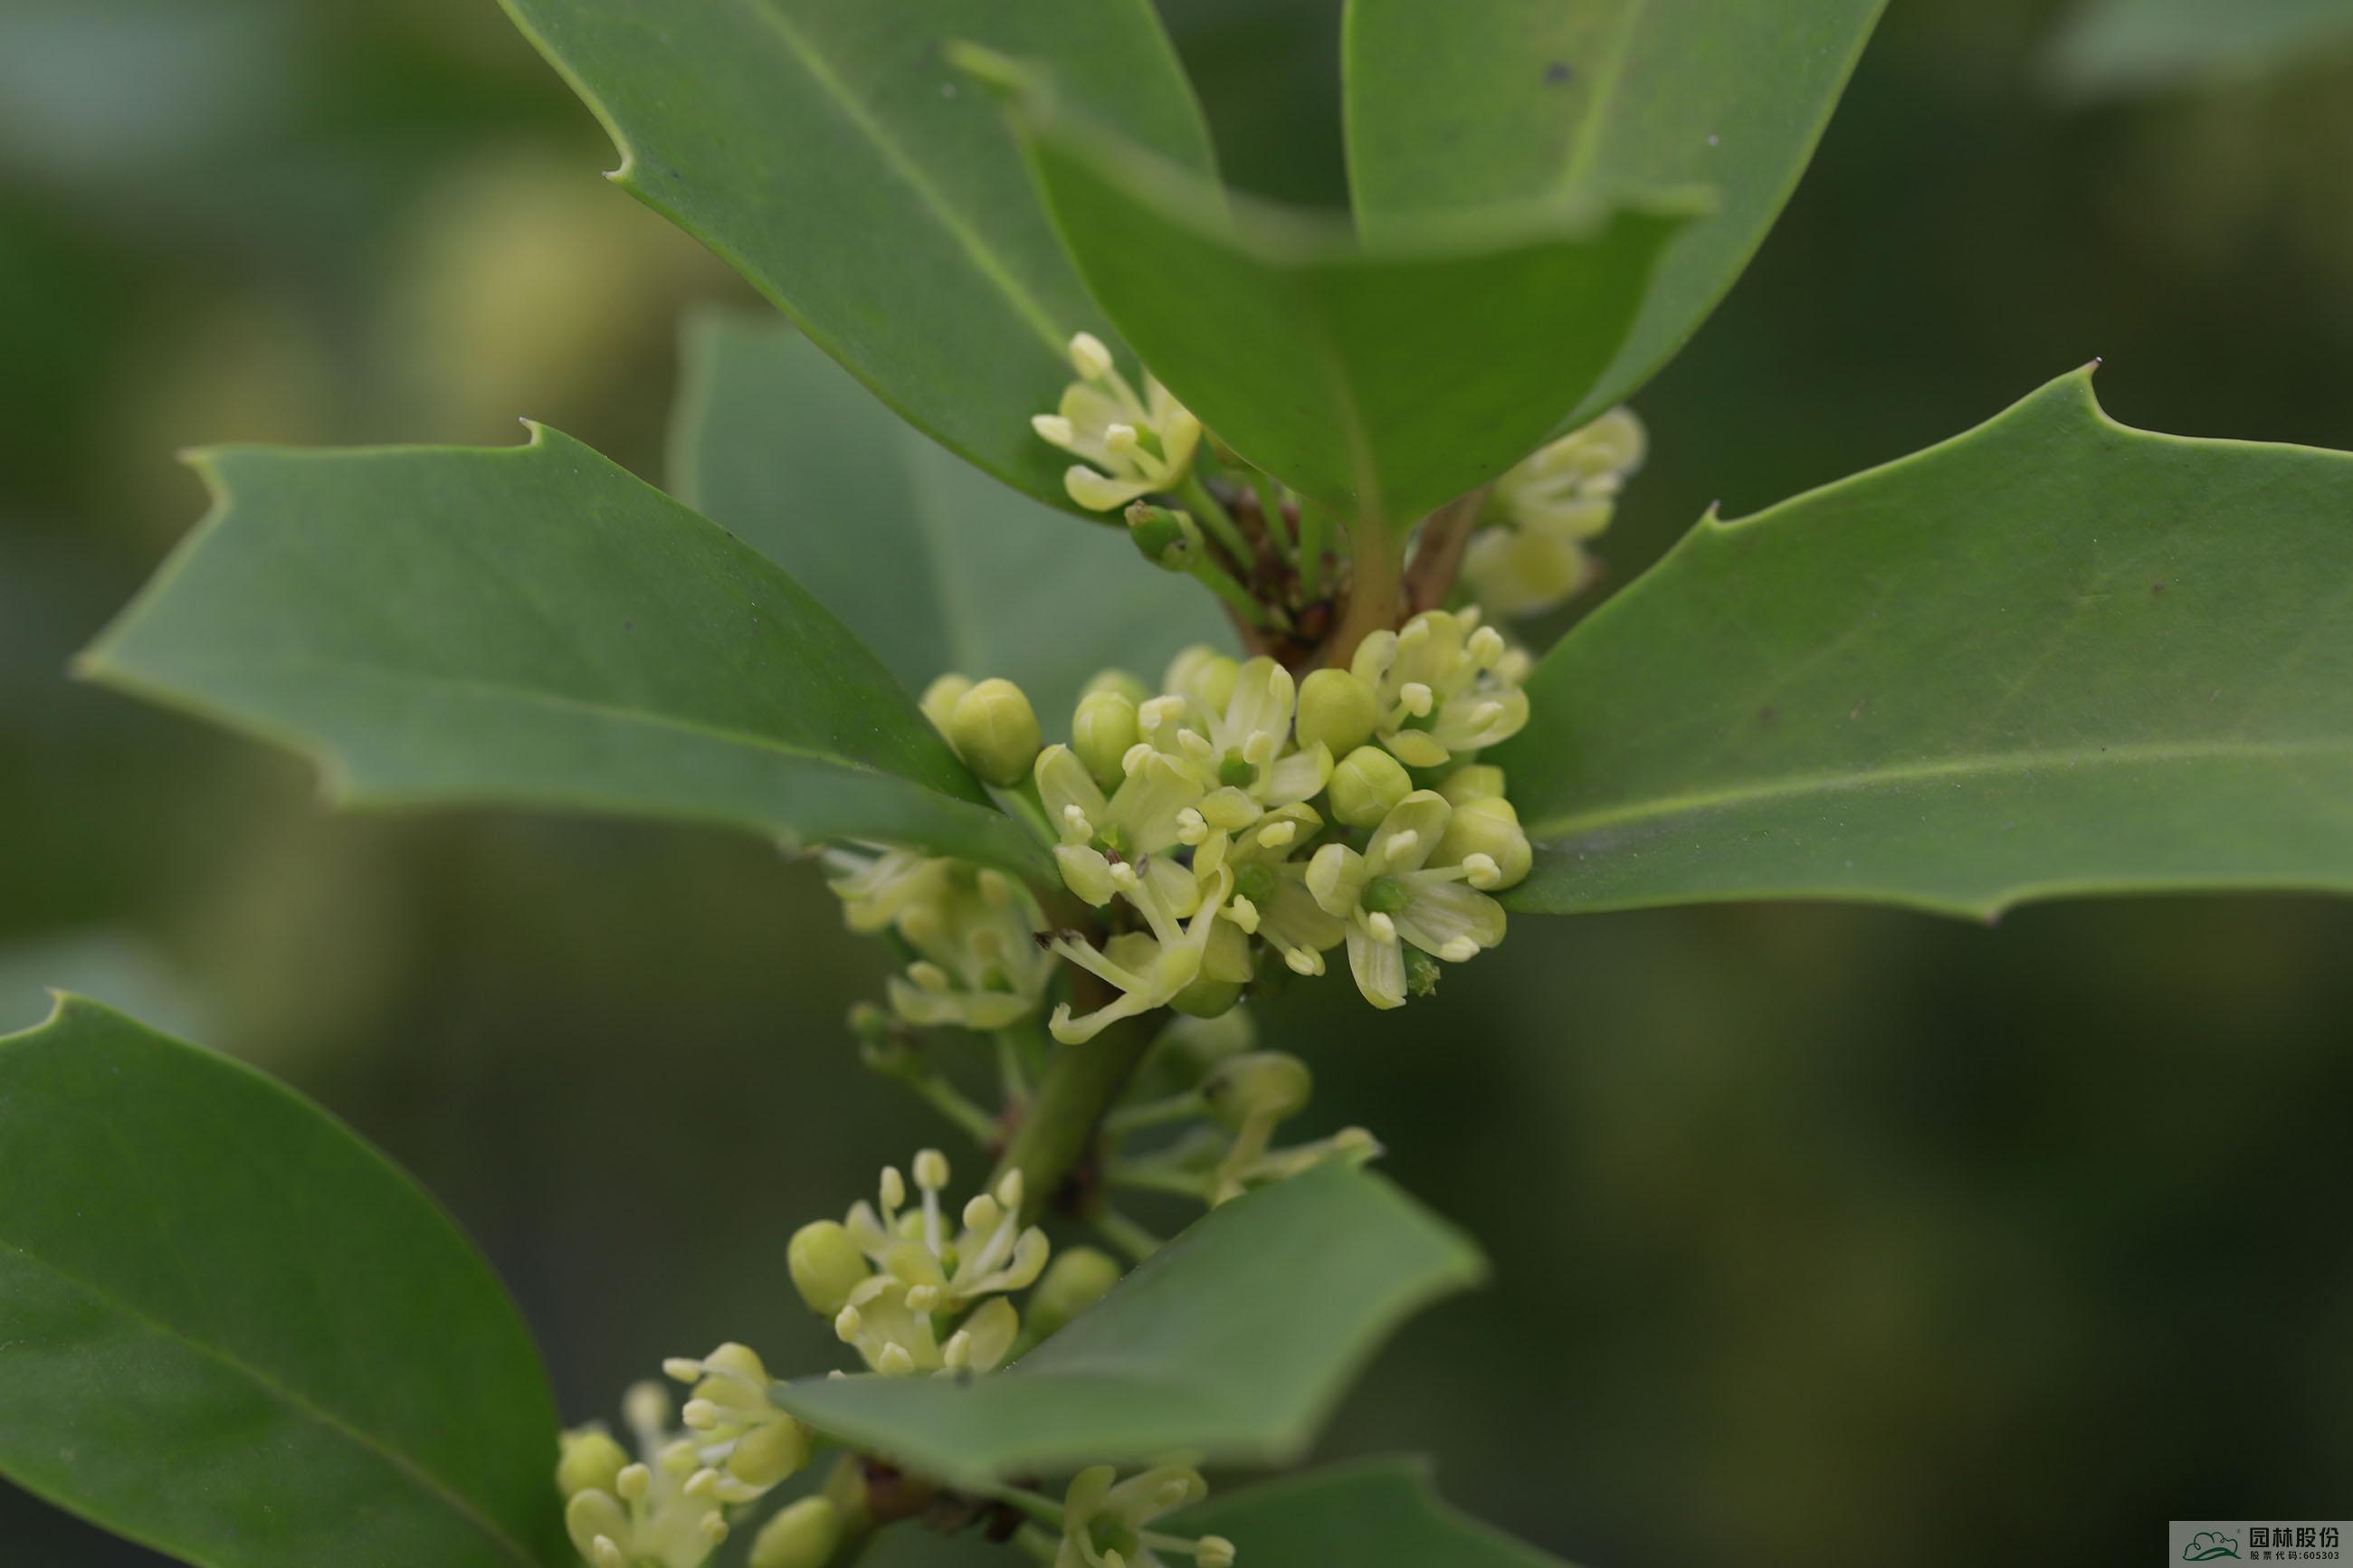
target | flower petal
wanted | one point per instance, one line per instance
(1379, 966)
(1441, 915)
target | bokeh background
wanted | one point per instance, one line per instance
(1823, 1235)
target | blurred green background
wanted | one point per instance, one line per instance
(1822, 1235)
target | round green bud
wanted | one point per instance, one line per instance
(802, 1535)
(1367, 785)
(767, 1455)
(995, 730)
(1488, 826)
(1207, 997)
(1169, 540)
(940, 697)
(1101, 730)
(1203, 674)
(826, 1265)
(1336, 708)
(1077, 1278)
(1128, 686)
(1269, 1084)
(1208, 1041)
(1479, 780)
(589, 1461)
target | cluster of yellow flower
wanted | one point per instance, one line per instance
(1232, 813)
(914, 1293)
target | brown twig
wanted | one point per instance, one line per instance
(1438, 559)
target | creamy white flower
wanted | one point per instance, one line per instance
(1131, 447)
(1389, 896)
(1244, 743)
(1545, 510)
(1444, 685)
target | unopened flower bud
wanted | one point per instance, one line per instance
(592, 1516)
(1263, 1084)
(1367, 786)
(1169, 540)
(770, 1453)
(1487, 825)
(1208, 1041)
(1101, 730)
(1337, 708)
(1127, 685)
(1214, 1551)
(1077, 1278)
(1207, 997)
(995, 730)
(1203, 674)
(826, 1265)
(940, 697)
(802, 1535)
(589, 1462)
(1479, 781)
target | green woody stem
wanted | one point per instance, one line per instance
(1375, 590)
(1058, 1129)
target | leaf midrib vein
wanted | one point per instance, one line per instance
(587, 705)
(1586, 145)
(986, 258)
(2016, 763)
(456, 1501)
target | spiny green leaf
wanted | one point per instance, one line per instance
(935, 567)
(1379, 380)
(2109, 47)
(1454, 109)
(1377, 1513)
(1232, 1341)
(826, 152)
(2051, 656)
(233, 1332)
(531, 625)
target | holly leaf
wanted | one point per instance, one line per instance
(234, 1332)
(1381, 380)
(1458, 110)
(1232, 1341)
(531, 626)
(828, 153)
(931, 564)
(1375, 1513)
(2051, 656)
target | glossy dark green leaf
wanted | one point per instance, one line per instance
(828, 153)
(1232, 1341)
(233, 1332)
(1382, 381)
(1377, 1513)
(531, 625)
(1455, 109)
(932, 564)
(2110, 48)
(2051, 656)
